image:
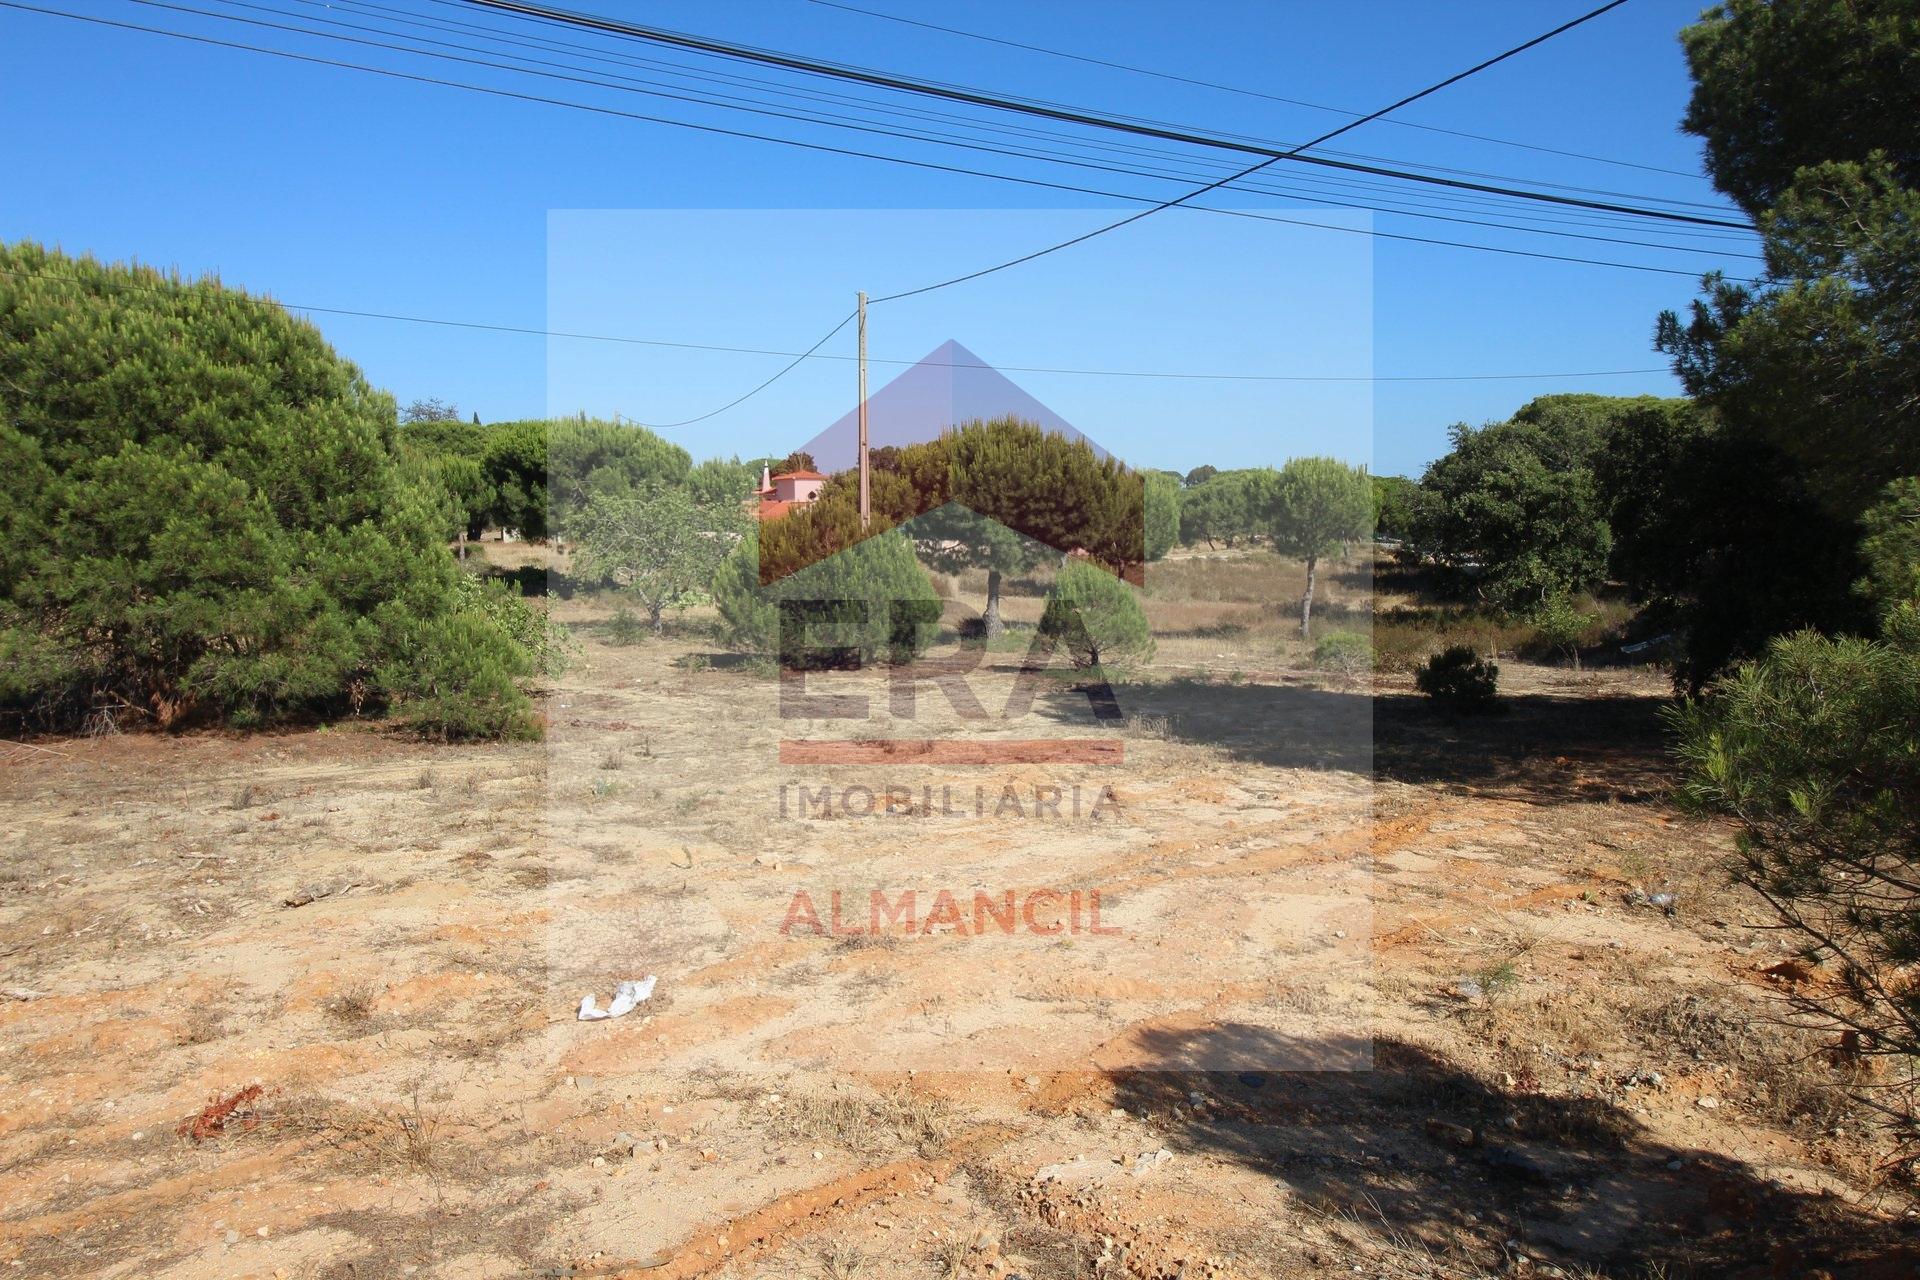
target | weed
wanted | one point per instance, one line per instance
(625, 627)
(1497, 978)
(843, 1262)
(352, 1005)
(1150, 726)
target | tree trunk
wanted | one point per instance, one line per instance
(990, 620)
(653, 616)
(463, 546)
(1306, 601)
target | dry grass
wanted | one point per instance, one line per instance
(864, 1122)
(353, 1005)
(1792, 1078)
(844, 1262)
(1239, 576)
(408, 1138)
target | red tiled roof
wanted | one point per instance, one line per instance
(799, 475)
(773, 508)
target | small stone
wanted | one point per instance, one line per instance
(233, 1237)
(1446, 1131)
(1706, 1104)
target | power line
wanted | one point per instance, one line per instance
(814, 66)
(829, 149)
(801, 357)
(1331, 134)
(597, 54)
(679, 69)
(814, 352)
(1239, 89)
(687, 422)
(734, 104)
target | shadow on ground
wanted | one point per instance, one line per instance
(1541, 746)
(1423, 1153)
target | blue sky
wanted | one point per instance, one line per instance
(336, 188)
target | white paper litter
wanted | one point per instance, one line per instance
(625, 997)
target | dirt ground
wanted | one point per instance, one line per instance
(1370, 993)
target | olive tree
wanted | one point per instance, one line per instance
(659, 543)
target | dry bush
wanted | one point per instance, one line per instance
(352, 1005)
(407, 1138)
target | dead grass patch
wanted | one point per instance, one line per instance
(1792, 1077)
(864, 1122)
(353, 1005)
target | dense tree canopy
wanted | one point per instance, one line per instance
(203, 514)
(1219, 508)
(1783, 85)
(1161, 513)
(1000, 495)
(1811, 375)
(1514, 507)
(545, 471)
(1396, 506)
(1812, 378)
(1096, 619)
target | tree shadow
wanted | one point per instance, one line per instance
(534, 580)
(1541, 746)
(1421, 1149)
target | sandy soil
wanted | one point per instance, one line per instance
(1374, 994)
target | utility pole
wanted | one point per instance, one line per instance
(866, 489)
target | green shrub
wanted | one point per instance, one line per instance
(1459, 680)
(1095, 617)
(202, 516)
(1347, 654)
(872, 600)
(1560, 625)
(627, 627)
(1815, 752)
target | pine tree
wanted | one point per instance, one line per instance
(203, 515)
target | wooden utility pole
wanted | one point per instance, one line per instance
(866, 489)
